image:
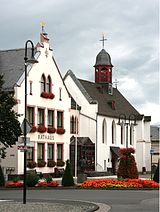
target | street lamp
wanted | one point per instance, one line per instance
(131, 118)
(32, 60)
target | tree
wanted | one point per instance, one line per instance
(67, 179)
(9, 125)
(127, 166)
(2, 180)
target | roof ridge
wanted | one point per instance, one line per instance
(7, 50)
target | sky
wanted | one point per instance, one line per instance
(75, 29)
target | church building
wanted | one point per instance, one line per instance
(106, 121)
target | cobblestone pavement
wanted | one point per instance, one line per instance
(54, 206)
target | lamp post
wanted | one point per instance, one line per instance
(32, 60)
(131, 118)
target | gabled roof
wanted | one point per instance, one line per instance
(11, 66)
(108, 105)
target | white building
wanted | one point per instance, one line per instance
(108, 119)
(48, 107)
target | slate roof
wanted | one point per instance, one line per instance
(11, 66)
(93, 93)
(155, 133)
(81, 141)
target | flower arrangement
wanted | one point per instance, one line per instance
(51, 130)
(51, 163)
(60, 131)
(51, 95)
(60, 163)
(114, 183)
(33, 129)
(41, 163)
(42, 129)
(47, 184)
(31, 164)
(47, 95)
(14, 184)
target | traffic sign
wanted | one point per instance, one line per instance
(28, 126)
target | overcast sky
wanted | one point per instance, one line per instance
(75, 28)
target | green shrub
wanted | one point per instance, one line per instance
(67, 179)
(2, 180)
(48, 178)
(31, 180)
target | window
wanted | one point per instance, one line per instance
(50, 152)
(40, 151)
(48, 85)
(72, 124)
(30, 153)
(30, 115)
(40, 116)
(60, 94)
(131, 134)
(122, 133)
(104, 132)
(43, 81)
(59, 151)
(113, 132)
(59, 119)
(50, 118)
(30, 87)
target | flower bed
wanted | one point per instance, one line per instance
(47, 184)
(14, 184)
(113, 183)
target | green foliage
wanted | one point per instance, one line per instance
(2, 180)
(9, 125)
(31, 179)
(67, 179)
(16, 179)
(127, 166)
(48, 178)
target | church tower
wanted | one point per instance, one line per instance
(103, 68)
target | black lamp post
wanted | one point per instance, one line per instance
(131, 118)
(32, 60)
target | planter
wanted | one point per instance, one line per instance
(41, 129)
(41, 163)
(51, 130)
(31, 164)
(60, 163)
(60, 131)
(51, 95)
(51, 163)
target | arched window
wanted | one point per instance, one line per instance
(48, 85)
(43, 82)
(113, 132)
(131, 134)
(122, 133)
(104, 132)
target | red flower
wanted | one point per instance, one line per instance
(42, 129)
(60, 131)
(51, 95)
(51, 130)
(33, 129)
(44, 95)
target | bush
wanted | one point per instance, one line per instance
(2, 180)
(31, 180)
(48, 178)
(67, 179)
(127, 166)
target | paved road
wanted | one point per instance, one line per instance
(119, 200)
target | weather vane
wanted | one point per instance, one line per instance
(103, 39)
(42, 25)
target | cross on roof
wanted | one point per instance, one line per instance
(103, 39)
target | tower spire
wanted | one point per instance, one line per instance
(103, 40)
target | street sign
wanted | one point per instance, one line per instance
(22, 148)
(28, 126)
